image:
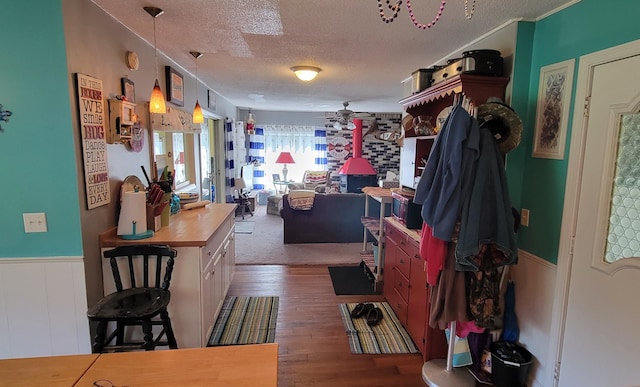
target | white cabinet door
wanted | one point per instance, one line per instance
(207, 290)
(408, 162)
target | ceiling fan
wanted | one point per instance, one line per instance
(344, 116)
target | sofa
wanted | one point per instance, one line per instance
(313, 180)
(334, 218)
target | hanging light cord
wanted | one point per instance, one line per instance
(155, 46)
(433, 22)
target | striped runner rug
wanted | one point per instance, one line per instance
(245, 320)
(388, 336)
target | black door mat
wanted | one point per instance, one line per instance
(351, 280)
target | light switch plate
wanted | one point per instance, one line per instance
(524, 217)
(35, 222)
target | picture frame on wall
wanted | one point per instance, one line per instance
(552, 113)
(128, 89)
(211, 100)
(175, 86)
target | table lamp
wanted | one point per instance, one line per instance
(240, 185)
(285, 158)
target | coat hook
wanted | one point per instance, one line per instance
(4, 116)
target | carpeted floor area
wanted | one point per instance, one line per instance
(265, 246)
(246, 320)
(388, 336)
(245, 226)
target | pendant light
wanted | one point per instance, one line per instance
(198, 118)
(156, 102)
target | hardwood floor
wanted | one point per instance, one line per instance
(313, 346)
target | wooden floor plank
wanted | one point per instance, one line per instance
(313, 346)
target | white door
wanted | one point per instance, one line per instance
(601, 345)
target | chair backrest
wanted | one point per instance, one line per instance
(315, 177)
(138, 262)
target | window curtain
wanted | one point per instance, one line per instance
(320, 160)
(256, 155)
(307, 145)
(229, 167)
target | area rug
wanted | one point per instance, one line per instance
(387, 337)
(350, 280)
(245, 320)
(245, 227)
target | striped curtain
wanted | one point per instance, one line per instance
(255, 155)
(320, 160)
(229, 166)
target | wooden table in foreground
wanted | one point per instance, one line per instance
(236, 365)
(45, 371)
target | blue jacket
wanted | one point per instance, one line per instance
(447, 172)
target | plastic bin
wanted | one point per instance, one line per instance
(510, 364)
(375, 252)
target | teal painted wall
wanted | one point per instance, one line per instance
(583, 28)
(37, 151)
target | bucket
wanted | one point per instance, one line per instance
(510, 364)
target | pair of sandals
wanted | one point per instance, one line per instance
(372, 313)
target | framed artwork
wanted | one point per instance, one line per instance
(128, 89)
(211, 100)
(175, 86)
(552, 114)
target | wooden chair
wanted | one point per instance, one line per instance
(137, 301)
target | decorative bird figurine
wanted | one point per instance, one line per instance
(389, 136)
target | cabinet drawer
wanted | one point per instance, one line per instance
(403, 263)
(398, 305)
(394, 234)
(400, 284)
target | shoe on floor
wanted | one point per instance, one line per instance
(374, 316)
(361, 310)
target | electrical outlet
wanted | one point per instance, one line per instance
(524, 217)
(35, 222)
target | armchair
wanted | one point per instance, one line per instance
(312, 180)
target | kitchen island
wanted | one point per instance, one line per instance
(205, 241)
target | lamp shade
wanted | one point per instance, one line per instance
(305, 73)
(240, 184)
(285, 158)
(156, 102)
(198, 118)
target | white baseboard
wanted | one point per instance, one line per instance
(535, 290)
(43, 306)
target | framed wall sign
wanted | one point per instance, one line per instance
(128, 89)
(175, 86)
(94, 144)
(552, 114)
(211, 100)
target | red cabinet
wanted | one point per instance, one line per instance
(405, 288)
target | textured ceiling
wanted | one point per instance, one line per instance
(250, 45)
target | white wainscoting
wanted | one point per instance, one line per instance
(43, 307)
(535, 289)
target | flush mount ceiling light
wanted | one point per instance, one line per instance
(306, 73)
(156, 102)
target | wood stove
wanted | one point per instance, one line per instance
(357, 172)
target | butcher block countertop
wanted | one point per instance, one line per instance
(186, 228)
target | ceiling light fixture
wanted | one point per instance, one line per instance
(156, 102)
(306, 73)
(198, 118)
